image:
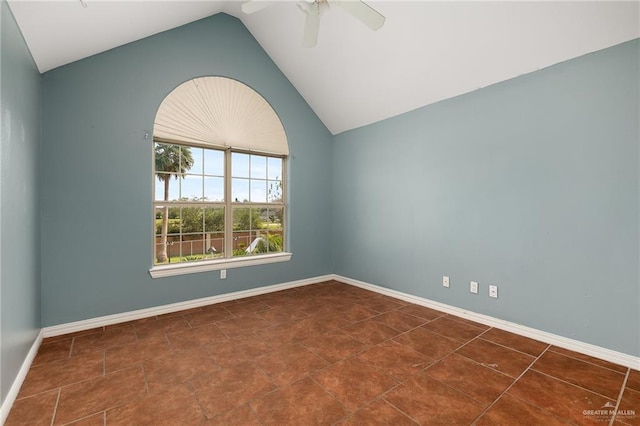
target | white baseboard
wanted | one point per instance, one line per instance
(17, 383)
(88, 324)
(554, 339)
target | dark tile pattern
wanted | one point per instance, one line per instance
(324, 354)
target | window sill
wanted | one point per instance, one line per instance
(162, 271)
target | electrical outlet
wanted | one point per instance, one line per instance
(493, 291)
(445, 281)
(473, 287)
(223, 274)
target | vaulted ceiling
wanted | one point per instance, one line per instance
(427, 51)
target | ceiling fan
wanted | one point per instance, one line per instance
(315, 8)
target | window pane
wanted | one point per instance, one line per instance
(173, 249)
(214, 245)
(174, 188)
(258, 191)
(192, 248)
(240, 190)
(192, 220)
(214, 188)
(173, 159)
(173, 224)
(213, 219)
(274, 218)
(248, 225)
(158, 215)
(274, 192)
(191, 187)
(166, 234)
(169, 226)
(270, 242)
(239, 165)
(213, 162)
(196, 155)
(274, 168)
(159, 190)
(258, 167)
(242, 218)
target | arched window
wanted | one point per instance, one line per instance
(219, 169)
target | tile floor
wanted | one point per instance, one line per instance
(327, 353)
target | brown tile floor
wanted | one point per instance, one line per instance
(328, 354)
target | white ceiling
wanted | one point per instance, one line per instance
(427, 51)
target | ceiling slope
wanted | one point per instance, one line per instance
(426, 52)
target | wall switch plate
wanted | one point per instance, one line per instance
(445, 281)
(493, 291)
(473, 287)
(223, 274)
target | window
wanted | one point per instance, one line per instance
(219, 199)
(195, 219)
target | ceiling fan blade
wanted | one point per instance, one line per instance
(363, 12)
(311, 26)
(255, 5)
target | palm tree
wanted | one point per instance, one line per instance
(171, 160)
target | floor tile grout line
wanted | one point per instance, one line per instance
(73, 339)
(511, 385)
(255, 414)
(192, 388)
(146, 381)
(104, 414)
(55, 408)
(622, 388)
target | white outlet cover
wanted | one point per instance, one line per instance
(473, 287)
(493, 291)
(445, 281)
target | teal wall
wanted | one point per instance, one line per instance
(97, 172)
(19, 200)
(531, 184)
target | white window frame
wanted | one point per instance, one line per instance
(228, 262)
